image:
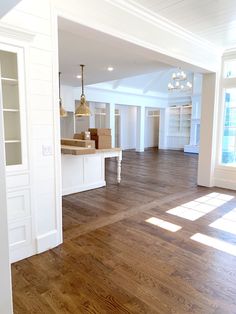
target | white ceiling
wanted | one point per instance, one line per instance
(7, 5)
(82, 45)
(213, 20)
(146, 84)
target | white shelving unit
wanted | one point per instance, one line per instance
(179, 126)
(11, 107)
(13, 110)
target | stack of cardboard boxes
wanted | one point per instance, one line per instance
(94, 138)
(102, 138)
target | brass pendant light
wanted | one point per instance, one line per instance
(83, 108)
(63, 112)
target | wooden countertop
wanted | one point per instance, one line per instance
(105, 150)
(76, 150)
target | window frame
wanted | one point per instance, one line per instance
(225, 83)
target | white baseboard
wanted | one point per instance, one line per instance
(225, 184)
(21, 253)
(84, 187)
(47, 241)
(193, 149)
(225, 177)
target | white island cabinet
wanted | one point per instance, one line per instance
(87, 171)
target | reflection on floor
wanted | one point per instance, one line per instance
(120, 254)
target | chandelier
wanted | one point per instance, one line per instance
(179, 82)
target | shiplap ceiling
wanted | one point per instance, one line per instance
(213, 20)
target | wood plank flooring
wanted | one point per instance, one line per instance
(114, 261)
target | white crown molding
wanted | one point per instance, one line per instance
(132, 7)
(229, 53)
(16, 33)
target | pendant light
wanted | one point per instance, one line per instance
(63, 112)
(83, 109)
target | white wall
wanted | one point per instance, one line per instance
(207, 156)
(43, 125)
(67, 96)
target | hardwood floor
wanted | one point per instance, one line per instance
(115, 259)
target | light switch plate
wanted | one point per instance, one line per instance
(47, 150)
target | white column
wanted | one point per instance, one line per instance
(92, 117)
(162, 129)
(110, 120)
(207, 154)
(140, 129)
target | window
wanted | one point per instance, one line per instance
(230, 69)
(229, 130)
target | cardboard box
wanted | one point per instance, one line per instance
(78, 143)
(79, 136)
(83, 136)
(75, 150)
(87, 135)
(100, 131)
(102, 141)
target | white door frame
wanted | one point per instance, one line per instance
(5, 271)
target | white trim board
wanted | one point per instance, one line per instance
(47, 241)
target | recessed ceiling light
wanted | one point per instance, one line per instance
(110, 69)
(78, 76)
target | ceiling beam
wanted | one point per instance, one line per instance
(151, 82)
(116, 84)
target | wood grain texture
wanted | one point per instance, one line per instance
(113, 261)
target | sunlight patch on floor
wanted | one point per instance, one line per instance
(226, 223)
(163, 224)
(215, 243)
(201, 206)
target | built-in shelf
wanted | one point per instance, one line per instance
(10, 81)
(12, 141)
(11, 107)
(11, 110)
(179, 126)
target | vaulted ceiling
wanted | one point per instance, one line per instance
(146, 84)
(213, 20)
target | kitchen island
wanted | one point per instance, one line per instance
(84, 169)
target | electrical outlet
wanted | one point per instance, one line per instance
(47, 150)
